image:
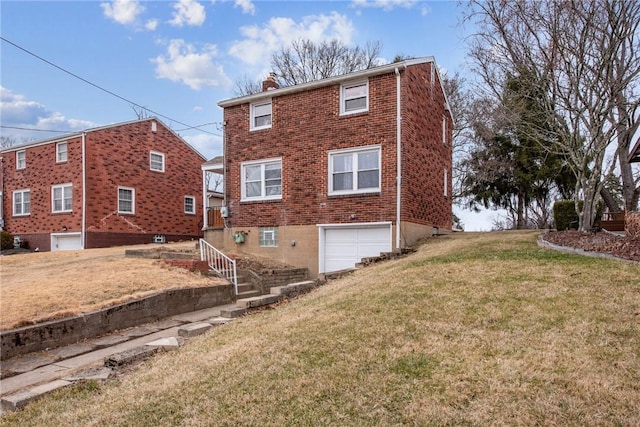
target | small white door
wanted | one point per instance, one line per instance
(344, 247)
(66, 242)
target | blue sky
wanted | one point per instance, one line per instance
(180, 58)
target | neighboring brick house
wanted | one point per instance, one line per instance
(312, 172)
(121, 184)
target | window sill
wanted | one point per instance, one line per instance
(247, 201)
(355, 194)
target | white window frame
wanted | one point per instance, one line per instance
(354, 170)
(62, 151)
(252, 124)
(444, 130)
(21, 159)
(344, 98)
(268, 237)
(193, 205)
(263, 190)
(62, 198)
(133, 200)
(446, 183)
(22, 212)
(153, 162)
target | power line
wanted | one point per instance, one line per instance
(103, 89)
(33, 129)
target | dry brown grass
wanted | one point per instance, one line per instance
(473, 329)
(48, 285)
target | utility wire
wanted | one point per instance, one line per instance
(103, 89)
(33, 129)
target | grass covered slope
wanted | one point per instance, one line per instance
(473, 329)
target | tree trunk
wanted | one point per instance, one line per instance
(608, 200)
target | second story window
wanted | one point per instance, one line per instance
(126, 200)
(262, 180)
(61, 152)
(61, 198)
(21, 202)
(21, 159)
(354, 98)
(444, 130)
(354, 171)
(261, 115)
(156, 161)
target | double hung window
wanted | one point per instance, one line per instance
(261, 115)
(21, 202)
(262, 180)
(189, 204)
(354, 171)
(61, 152)
(354, 98)
(126, 200)
(21, 159)
(62, 198)
(156, 161)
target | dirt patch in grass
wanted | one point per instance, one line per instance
(42, 286)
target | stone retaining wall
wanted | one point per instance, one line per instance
(271, 278)
(70, 330)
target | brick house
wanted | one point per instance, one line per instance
(121, 184)
(322, 174)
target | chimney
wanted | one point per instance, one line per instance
(270, 83)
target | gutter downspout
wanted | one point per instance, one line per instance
(84, 192)
(2, 194)
(205, 221)
(398, 157)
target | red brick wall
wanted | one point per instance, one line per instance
(40, 174)
(306, 125)
(424, 155)
(115, 156)
(119, 157)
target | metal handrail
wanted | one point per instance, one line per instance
(219, 262)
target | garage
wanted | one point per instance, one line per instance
(341, 247)
(66, 242)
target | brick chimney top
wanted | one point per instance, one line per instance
(270, 83)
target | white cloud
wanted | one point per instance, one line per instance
(386, 5)
(17, 112)
(260, 42)
(151, 24)
(184, 63)
(188, 12)
(247, 6)
(123, 11)
(206, 144)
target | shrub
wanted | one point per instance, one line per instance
(6, 240)
(565, 216)
(632, 224)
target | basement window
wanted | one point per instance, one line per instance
(268, 236)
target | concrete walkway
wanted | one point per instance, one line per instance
(42, 372)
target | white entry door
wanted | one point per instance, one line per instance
(346, 246)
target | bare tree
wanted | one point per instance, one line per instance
(305, 61)
(584, 57)
(140, 112)
(7, 141)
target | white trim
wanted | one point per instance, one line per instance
(58, 152)
(446, 182)
(54, 236)
(344, 98)
(53, 199)
(354, 150)
(83, 238)
(151, 161)
(13, 202)
(383, 69)
(193, 205)
(322, 241)
(18, 160)
(398, 158)
(263, 195)
(133, 200)
(252, 115)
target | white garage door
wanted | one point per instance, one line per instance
(344, 247)
(66, 242)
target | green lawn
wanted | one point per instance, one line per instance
(473, 329)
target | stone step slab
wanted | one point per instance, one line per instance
(293, 289)
(258, 301)
(20, 399)
(129, 356)
(194, 329)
